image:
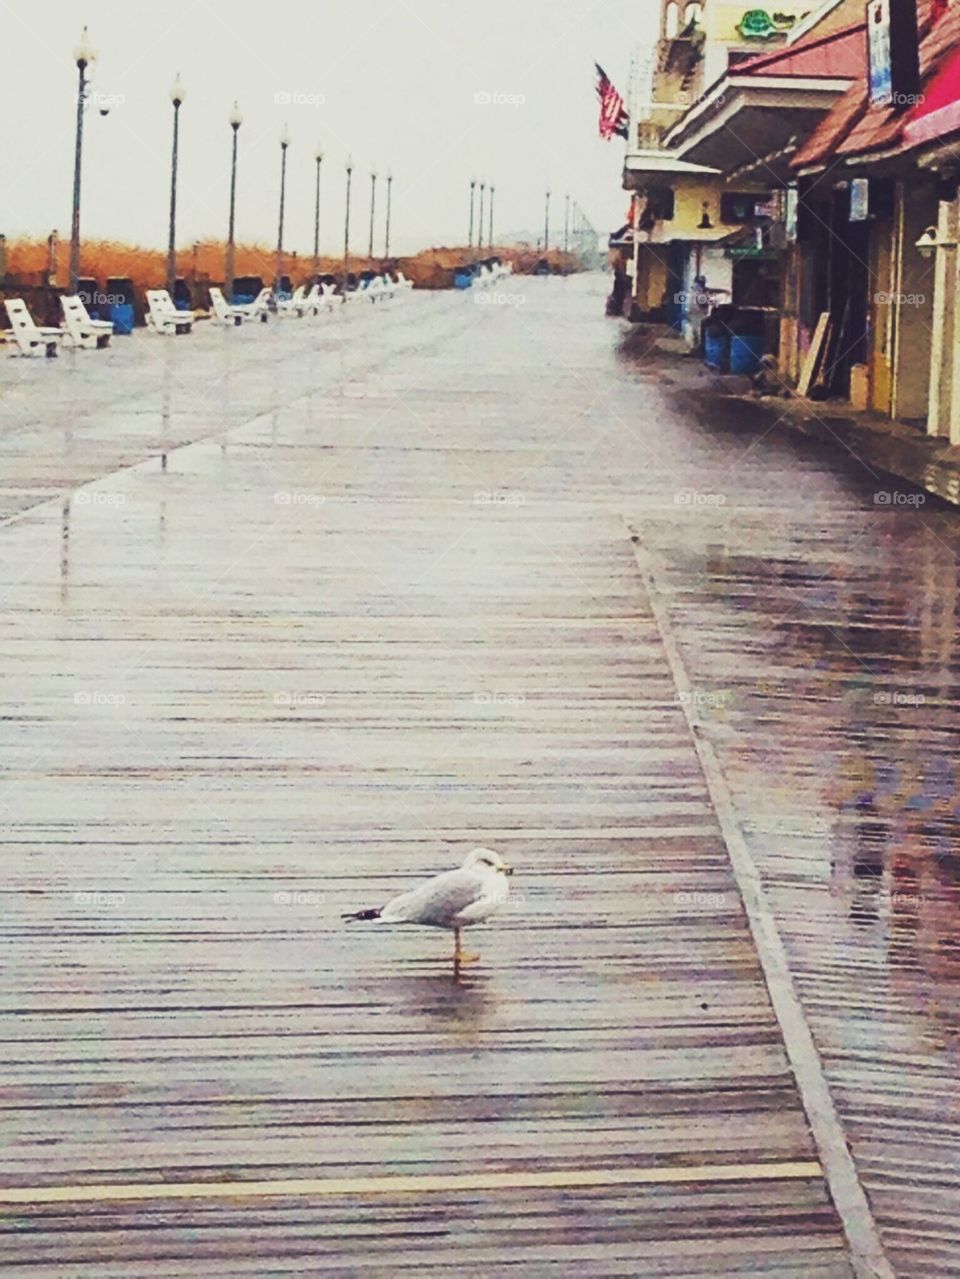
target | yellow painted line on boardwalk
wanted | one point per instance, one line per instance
(335, 1187)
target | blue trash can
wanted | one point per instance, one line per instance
(120, 307)
(716, 351)
(746, 352)
(121, 313)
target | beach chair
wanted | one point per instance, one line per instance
(82, 332)
(163, 316)
(31, 338)
(228, 313)
(371, 288)
(403, 282)
(296, 304)
(327, 297)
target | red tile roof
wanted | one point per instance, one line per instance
(840, 55)
(855, 126)
(835, 125)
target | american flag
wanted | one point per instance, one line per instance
(613, 114)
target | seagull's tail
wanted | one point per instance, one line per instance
(362, 914)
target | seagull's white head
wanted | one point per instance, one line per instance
(487, 860)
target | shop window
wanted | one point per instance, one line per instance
(692, 15)
(737, 208)
(660, 203)
(671, 25)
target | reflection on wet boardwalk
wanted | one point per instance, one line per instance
(316, 658)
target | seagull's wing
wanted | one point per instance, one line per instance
(438, 902)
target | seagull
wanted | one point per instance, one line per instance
(455, 900)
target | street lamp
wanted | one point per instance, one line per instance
(83, 55)
(318, 156)
(493, 190)
(176, 97)
(473, 187)
(284, 143)
(346, 228)
(386, 244)
(930, 241)
(566, 226)
(546, 226)
(483, 188)
(373, 206)
(235, 119)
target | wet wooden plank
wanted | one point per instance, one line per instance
(298, 669)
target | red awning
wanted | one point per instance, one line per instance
(939, 112)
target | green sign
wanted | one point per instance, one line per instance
(757, 24)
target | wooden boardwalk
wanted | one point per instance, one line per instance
(305, 664)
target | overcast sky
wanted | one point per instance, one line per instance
(391, 81)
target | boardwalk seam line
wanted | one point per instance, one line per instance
(853, 1207)
(415, 1183)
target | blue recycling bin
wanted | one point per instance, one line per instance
(746, 352)
(121, 314)
(716, 351)
(120, 306)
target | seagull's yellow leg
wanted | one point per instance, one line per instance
(460, 958)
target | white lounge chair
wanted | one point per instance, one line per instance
(327, 297)
(236, 314)
(32, 339)
(163, 316)
(296, 304)
(82, 332)
(373, 289)
(402, 281)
